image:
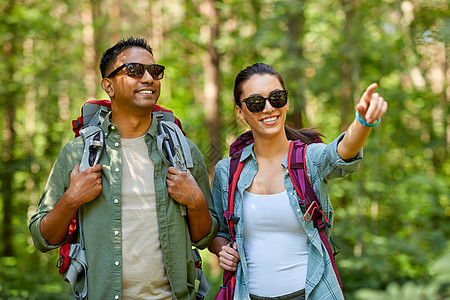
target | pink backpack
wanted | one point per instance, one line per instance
(310, 205)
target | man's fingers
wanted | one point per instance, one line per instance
(76, 170)
(96, 168)
(173, 170)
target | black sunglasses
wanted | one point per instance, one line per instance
(137, 70)
(256, 104)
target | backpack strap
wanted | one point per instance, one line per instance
(203, 287)
(94, 139)
(175, 144)
(171, 140)
(309, 203)
(174, 151)
(78, 263)
(236, 167)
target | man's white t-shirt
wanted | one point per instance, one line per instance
(143, 272)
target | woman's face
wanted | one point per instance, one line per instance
(270, 121)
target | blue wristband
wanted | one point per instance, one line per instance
(364, 123)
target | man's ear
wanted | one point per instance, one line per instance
(108, 87)
(239, 112)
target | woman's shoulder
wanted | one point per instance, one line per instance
(223, 164)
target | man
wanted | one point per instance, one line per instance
(138, 244)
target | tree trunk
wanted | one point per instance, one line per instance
(349, 66)
(296, 73)
(89, 59)
(114, 20)
(211, 88)
(349, 78)
(7, 173)
(7, 178)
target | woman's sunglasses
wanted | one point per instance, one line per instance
(256, 104)
(137, 70)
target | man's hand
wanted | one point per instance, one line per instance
(183, 188)
(85, 186)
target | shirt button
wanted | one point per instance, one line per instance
(292, 193)
(298, 210)
(117, 263)
(116, 169)
(116, 144)
(116, 232)
(116, 201)
(116, 297)
(113, 127)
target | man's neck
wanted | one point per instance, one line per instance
(131, 125)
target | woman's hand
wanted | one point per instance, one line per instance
(372, 106)
(229, 257)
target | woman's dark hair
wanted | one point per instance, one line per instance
(305, 135)
(109, 57)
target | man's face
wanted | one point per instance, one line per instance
(128, 93)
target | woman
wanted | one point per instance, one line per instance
(277, 254)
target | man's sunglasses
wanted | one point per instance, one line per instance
(137, 70)
(256, 104)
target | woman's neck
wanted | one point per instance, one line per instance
(270, 148)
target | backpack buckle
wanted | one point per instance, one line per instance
(230, 216)
(313, 207)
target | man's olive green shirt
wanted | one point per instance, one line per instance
(102, 217)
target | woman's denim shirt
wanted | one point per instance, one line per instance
(323, 164)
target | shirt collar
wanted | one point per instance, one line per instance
(248, 151)
(107, 126)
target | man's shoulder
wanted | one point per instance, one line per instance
(73, 148)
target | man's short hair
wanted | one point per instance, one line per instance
(110, 55)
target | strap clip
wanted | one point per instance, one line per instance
(230, 216)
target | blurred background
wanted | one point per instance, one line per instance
(391, 217)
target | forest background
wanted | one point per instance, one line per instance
(391, 217)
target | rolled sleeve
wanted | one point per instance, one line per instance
(207, 239)
(38, 239)
(57, 184)
(326, 160)
(201, 176)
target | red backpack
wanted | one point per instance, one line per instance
(174, 151)
(310, 205)
(88, 111)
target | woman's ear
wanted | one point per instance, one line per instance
(240, 113)
(108, 87)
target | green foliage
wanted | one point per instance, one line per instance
(391, 217)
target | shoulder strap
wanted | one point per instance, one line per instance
(309, 203)
(299, 177)
(175, 144)
(78, 263)
(235, 170)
